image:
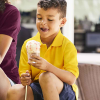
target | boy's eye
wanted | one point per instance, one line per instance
(39, 18)
(50, 20)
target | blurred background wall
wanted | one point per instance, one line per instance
(87, 26)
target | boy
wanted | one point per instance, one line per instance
(53, 74)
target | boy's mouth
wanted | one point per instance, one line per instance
(44, 29)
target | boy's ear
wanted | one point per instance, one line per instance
(63, 21)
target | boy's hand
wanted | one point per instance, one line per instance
(25, 78)
(39, 62)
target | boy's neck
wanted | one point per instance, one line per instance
(48, 41)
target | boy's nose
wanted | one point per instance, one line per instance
(43, 22)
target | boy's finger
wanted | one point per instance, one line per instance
(25, 78)
(25, 83)
(25, 75)
(35, 56)
(33, 59)
(27, 71)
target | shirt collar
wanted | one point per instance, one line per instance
(57, 41)
(37, 38)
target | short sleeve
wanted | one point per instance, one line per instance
(11, 23)
(70, 59)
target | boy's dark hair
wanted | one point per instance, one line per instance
(61, 5)
(2, 5)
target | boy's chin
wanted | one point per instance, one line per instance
(44, 36)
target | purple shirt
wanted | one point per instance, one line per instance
(10, 25)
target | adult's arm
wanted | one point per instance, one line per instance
(9, 30)
(5, 42)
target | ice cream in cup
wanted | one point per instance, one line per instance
(32, 47)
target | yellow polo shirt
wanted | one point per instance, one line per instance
(61, 53)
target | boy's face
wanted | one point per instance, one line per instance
(48, 22)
